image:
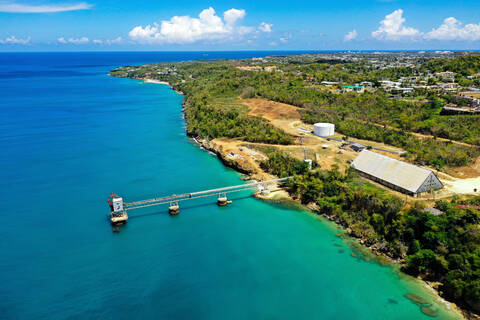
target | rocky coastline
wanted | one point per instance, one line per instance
(376, 247)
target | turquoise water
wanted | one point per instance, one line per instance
(70, 135)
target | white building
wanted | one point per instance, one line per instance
(395, 174)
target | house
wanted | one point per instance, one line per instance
(447, 75)
(388, 85)
(433, 211)
(452, 86)
(469, 97)
(329, 83)
(270, 68)
(452, 109)
(355, 88)
(357, 147)
(367, 84)
(403, 90)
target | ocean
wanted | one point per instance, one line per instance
(70, 135)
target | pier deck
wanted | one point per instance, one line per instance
(259, 185)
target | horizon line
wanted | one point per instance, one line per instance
(262, 50)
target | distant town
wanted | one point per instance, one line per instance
(409, 80)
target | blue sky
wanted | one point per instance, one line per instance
(43, 25)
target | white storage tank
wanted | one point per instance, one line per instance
(324, 129)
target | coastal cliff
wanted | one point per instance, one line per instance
(218, 150)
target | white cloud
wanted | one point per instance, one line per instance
(392, 28)
(185, 29)
(108, 41)
(231, 16)
(81, 40)
(243, 30)
(23, 8)
(452, 29)
(285, 37)
(352, 35)
(13, 40)
(114, 41)
(265, 27)
(147, 34)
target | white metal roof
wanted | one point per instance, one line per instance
(399, 173)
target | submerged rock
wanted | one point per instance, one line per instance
(416, 299)
(429, 312)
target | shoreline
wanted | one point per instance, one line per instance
(147, 80)
(157, 82)
(276, 197)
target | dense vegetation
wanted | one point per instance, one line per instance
(427, 151)
(209, 114)
(282, 165)
(379, 109)
(212, 87)
(443, 248)
(373, 116)
(210, 122)
(354, 115)
(464, 65)
(375, 107)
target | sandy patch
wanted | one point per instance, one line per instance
(272, 110)
(464, 186)
(156, 81)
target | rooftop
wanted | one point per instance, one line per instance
(405, 175)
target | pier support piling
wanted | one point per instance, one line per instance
(174, 209)
(222, 200)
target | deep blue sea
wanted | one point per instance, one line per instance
(70, 135)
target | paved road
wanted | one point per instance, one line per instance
(378, 149)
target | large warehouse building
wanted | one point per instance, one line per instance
(395, 174)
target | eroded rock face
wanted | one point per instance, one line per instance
(218, 150)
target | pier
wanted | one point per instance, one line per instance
(119, 208)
